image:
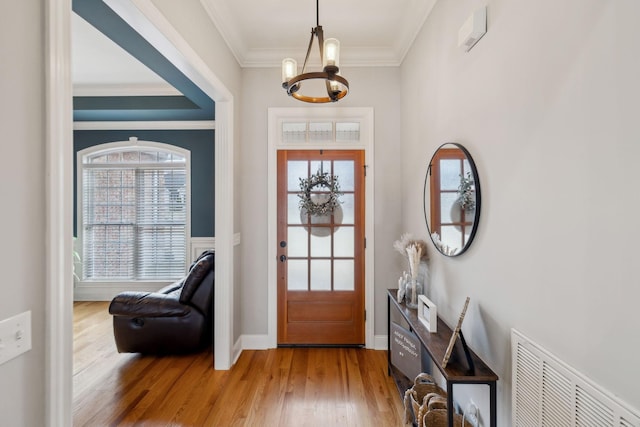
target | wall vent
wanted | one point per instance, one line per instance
(548, 392)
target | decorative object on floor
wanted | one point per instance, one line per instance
(456, 333)
(176, 319)
(417, 398)
(326, 202)
(428, 313)
(452, 199)
(335, 85)
(415, 251)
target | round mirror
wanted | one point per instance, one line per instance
(452, 199)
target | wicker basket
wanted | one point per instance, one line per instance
(426, 404)
(416, 399)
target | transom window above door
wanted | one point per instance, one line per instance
(133, 211)
(320, 131)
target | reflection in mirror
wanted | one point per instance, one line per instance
(452, 199)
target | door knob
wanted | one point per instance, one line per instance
(283, 258)
(283, 244)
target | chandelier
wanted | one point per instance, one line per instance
(337, 86)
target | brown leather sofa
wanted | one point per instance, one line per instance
(176, 319)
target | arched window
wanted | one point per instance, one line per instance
(134, 206)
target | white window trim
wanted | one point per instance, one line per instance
(133, 143)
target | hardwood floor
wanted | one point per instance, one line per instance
(278, 387)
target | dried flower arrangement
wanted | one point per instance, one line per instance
(415, 251)
(442, 247)
(407, 240)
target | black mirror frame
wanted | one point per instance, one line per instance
(476, 178)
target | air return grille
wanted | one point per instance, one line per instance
(547, 392)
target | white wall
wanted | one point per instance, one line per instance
(547, 104)
(22, 253)
(377, 88)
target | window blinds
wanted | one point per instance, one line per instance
(134, 218)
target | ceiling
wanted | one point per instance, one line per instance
(260, 33)
(101, 67)
(371, 32)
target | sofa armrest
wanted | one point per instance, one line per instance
(147, 304)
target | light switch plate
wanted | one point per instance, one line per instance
(15, 336)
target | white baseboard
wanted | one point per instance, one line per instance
(261, 342)
(255, 342)
(380, 342)
(236, 351)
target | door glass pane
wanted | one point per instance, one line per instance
(321, 245)
(293, 210)
(452, 237)
(295, 171)
(320, 219)
(343, 275)
(317, 166)
(449, 209)
(343, 242)
(320, 275)
(467, 233)
(467, 167)
(344, 170)
(297, 275)
(346, 210)
(297, 242)
(449, 174)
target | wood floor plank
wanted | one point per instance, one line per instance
(278, 387)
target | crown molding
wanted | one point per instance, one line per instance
(350, 57)
(221, 18)
(390, 55)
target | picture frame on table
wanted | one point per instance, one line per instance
(457, 332)
(428, 313)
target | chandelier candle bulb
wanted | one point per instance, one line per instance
(331, 53)
(335, 87)
(289, 69)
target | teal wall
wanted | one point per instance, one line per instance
(199, 142)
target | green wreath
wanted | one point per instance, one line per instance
(323, 180)
(466, 193)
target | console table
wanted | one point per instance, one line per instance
(435, 345)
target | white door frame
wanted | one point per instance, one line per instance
(59, 217)
(277, 116)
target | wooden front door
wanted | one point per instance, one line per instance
(321, 256)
